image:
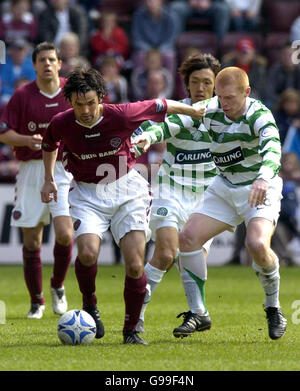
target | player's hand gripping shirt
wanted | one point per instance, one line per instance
(187, 161)
(29, 112)
(102, 152)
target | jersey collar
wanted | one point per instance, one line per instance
(87, 126)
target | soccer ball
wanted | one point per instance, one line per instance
(76, 327)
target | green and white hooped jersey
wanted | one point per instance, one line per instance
(246, 149)
(187, 163)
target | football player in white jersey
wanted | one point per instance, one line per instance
(176, 196)
(246, 149)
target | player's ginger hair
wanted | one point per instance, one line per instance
(233, 75)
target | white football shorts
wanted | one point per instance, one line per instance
(29, 210)
(228, 203)
(122, 206)
(174, 212)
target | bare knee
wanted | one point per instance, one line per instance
(32, 243)
(163, 258)
(132, 246)
(33, 246)
(135, 267)
(64, 238)
(188, 241)
(257, 247)
(87, 256)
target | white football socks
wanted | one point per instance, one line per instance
(193, 269)
(193, 296)
(154, 276)
(270, 281)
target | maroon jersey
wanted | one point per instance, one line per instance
(103, 150)
(29, 112)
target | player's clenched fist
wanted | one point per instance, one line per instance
(200, 109)
(141, 141)
(35, 142)
(49, 192)
(258, 192)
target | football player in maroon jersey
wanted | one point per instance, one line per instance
(106, 192)
(22, 125)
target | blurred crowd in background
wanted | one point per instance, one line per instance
(138, 46)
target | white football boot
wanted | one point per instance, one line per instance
(59, 300)
(140, 326)
(36, 311)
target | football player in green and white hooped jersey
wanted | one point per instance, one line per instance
(246, 150)
(185, 173)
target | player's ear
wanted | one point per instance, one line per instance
(248, 91)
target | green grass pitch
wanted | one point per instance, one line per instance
(237, 341)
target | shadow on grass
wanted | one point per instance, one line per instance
(58, 345)
(188, 342)
(197, 343)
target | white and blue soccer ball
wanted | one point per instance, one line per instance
(76, 327)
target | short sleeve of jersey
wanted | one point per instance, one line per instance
(51, 139)
(133, 114)
(265, 125)
(11, 114)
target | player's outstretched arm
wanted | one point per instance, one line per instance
(147, 134)
(196, 111)
(11, 137)
(49, 189)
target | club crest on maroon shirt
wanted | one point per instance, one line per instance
(31, 126)
(115, 142)
(76, 224)
(17, 214)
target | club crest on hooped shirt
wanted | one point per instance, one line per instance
(115, 142)
(221, 137)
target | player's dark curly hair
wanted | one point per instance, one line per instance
(196, 62)
(83, 80)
